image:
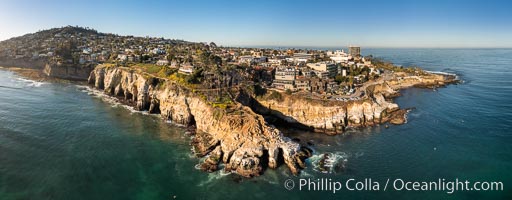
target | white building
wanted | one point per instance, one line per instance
(275, 61)
(122, 57)
(158, 51)
(87, 50)
(299, 57)
(186, 69)
(285, 73)
(338, 56)
(245, 59)
(162, 62)
(329, 67)
(261, 59)
(285, 78)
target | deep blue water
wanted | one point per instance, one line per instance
(57, 141)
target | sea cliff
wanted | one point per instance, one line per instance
(239, 138)
(69, 71)
(333, 117)
(329, 117)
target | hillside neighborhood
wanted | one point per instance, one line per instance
(318, 73)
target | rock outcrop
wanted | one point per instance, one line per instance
(242, 140)
(334, 117)
(69, 71)
(239, 136)
(331, 117)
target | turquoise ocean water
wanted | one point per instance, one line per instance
(62, 141)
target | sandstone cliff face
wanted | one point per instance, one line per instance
(242, 140)
(334, 117)
(331, 118)
(69, 72)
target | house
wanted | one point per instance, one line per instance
(122, 57)
(257, 53)
(275, 61)
(162, 62)
(158, 51)
(333, 86)
(245, 59)
(186, 69)
(261, 59)
(318, 85)
(174, 64)
(303, 84)
(87, 50)
(375, 71)
(285, 78)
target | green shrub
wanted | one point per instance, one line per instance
(275, 96)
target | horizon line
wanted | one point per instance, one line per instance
(273, 46)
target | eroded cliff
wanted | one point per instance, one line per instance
(329, 117)
(332, 117)
(240, 138)
(69, 71)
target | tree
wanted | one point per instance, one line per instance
(288, 91)
(284, 62)
(213, 45)
(351, 81)
(340, 79)
(113, 57)
(196, 76)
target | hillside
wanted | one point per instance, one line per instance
(78, 45)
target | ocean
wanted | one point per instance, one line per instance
(63, 141)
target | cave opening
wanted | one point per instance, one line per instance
(154, 81)
(128, 95)
(264, 160)
(112, 91)
(280, 157)
(191, 121)
(154, 108)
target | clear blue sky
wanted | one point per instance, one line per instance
(369, 23)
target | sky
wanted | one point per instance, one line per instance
(313, 23)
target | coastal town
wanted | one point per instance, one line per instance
(255, 100)
(235, 101)
(335, 75)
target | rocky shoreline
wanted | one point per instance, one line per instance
(242, 138)
(334, 117)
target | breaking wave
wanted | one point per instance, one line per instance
(329, 162)
(30, 83)
(109, 99)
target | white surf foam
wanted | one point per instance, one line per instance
(109, 99)
(30, 83)
(335, 160)
(444, 73)
(214, 176)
